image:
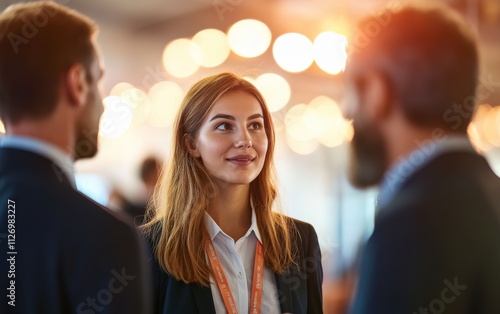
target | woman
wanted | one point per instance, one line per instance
(218, 245)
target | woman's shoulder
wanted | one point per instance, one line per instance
(302, 227)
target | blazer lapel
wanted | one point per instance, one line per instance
(205, 304)
(284, 292)
(203, 299)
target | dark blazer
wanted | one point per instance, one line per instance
(436, 247)
(299, 289)
(73, 256)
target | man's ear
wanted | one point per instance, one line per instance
(191, 146)
(76, 84)
(378, 96)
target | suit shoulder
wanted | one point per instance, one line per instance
(302, 226)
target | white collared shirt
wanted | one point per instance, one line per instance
(49, 151)
(237, 260)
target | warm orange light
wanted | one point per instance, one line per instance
(301, 147)
(275, 89)
(293, 52)
(166, 98)
(116, 118)
(210, 48)
(178, 58)
(296, 126)
(330, 52)
(119, 88)
(249, 38)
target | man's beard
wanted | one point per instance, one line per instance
(368, 155)
(86, 143)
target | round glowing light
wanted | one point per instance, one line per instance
(329, 125)
(116, 118)
(210, 48)
(301, 147)
(330, 52)
(139, 102)
(249, 38)
(166, 98)
(293, 52)
(275, 89)
(296, 127)
(119, 88)
(178, 57)
(2, 127)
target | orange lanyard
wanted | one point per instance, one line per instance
(223, 284)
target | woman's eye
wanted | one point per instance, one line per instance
(224, 127)
(256, 126)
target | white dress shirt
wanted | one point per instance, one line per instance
(237, 260)
(49, 151)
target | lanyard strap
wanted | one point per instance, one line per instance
(223, 284)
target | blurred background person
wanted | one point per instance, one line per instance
(65, 253)
(149, 172)
(214, 232)
(411, 95)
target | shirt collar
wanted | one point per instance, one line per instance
(214, 229)
(406, 167)
(49, 151)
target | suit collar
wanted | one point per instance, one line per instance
(396, 177)
(19, 162)
(57, 156)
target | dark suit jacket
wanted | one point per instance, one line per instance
(299, 290)
(73, 256)
(436, 247)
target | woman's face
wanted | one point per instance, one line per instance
(232, 141)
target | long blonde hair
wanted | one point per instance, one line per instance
(176, 215)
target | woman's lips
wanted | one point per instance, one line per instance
(241, 160)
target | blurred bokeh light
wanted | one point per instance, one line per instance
(210, 48)
(116, 118)
(2, 127)
(249, 38)
(275, 89)
(484, 130)
(166, 98)
(330, 52)
(119, 88)
(178, 58)
(320, 121)
(293, 52)
(301, 147)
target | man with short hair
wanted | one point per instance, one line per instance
(61, 252)
(411, 95)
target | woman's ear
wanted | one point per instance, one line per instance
(191, 146)
(76, 84)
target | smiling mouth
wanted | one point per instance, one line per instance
(241, 160)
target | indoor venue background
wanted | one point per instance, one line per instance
(295, 52)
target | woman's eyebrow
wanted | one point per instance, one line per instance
(229, 117)
(223, 116)
(255, 116)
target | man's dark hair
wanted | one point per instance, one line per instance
(39, 42)
(428, 56)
